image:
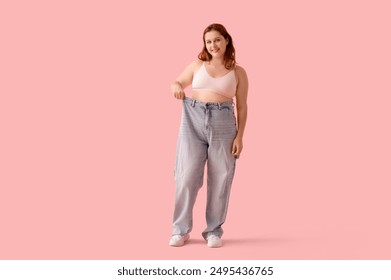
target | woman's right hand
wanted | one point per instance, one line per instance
(177, 90)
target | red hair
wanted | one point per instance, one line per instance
(229, 55)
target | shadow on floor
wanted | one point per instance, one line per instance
(245, 241)
(251, 241)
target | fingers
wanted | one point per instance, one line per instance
(179, 95)
(236, 149)
(177, 90)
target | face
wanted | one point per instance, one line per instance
(215, 43)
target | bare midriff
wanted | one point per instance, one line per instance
(208, 96)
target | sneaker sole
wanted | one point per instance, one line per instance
(182, 243)
(215, 245)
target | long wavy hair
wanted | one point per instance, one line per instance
(229, 55)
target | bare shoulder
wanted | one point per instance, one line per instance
(186, 77)
(195, 65)
(240, 71)
(241, 75)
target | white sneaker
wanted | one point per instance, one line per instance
(179, 240)
(214, 241)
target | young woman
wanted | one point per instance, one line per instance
(209, 133)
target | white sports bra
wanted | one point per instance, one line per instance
(225, 85)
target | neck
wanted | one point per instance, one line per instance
(216, 61)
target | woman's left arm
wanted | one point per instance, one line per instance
(241, 105)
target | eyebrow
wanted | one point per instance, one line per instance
(213, 38)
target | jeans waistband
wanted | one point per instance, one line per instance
(195, 102)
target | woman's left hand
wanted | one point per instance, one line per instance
(237, 146)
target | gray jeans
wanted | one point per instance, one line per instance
(206, 134)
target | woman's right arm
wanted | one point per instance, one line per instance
(184, 80)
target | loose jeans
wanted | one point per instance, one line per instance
(206, 134)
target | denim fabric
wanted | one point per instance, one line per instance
(205, 136)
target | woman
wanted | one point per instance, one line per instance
(209, 133)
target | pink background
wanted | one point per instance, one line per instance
(89, 128)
